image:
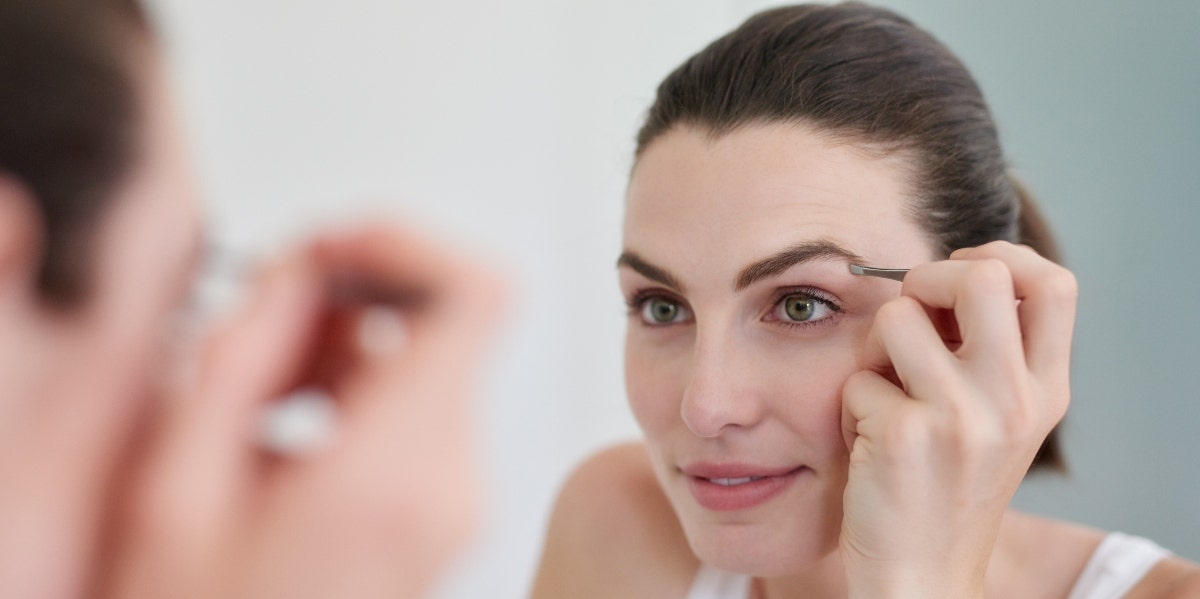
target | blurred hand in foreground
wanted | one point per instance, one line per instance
(390, 327)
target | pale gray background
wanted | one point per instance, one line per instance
(509, 125)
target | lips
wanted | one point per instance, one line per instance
(736, 486)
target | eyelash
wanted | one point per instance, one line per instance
(636, 304)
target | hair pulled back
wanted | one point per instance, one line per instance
(68, 113)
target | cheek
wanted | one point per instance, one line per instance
(146, 250)
(655, 377)
(807, 389)
(151, 235)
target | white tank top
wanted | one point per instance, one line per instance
(1116, 566)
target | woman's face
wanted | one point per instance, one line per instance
(745, 322)
(145, 249)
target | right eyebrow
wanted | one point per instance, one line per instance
(805, 251)
(658, 274)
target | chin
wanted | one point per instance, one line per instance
(774, 543)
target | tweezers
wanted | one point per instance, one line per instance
(895, 274)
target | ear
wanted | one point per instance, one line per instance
(21, 239)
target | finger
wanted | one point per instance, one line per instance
(867, 401)
(209, 441)
(385, 258)
(902, 338)
(258, 353)
(445, 333)
(406, 391)
(1048, 294)
(980, 293)
(411, 398)
(430, 370)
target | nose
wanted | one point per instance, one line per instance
(721, 394)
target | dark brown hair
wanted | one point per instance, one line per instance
(68, 111)
(867, 75)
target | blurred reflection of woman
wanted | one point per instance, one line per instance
(106, 493)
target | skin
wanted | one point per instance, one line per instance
(117, 486)
(66, 434)
(945, 382)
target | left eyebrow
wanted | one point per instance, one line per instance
(806, 251)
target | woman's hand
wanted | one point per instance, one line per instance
(964, 376)
(376, 513)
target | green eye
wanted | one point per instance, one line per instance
(799, 307)
(660, 310)
(804, 308)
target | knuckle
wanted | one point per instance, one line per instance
(856, 391)
(963, 423)
(1005, 424)
(1021, 426)
(1062, 284)
(1028, 250)
(998, 245)
(1019, 420)
(991, 274)
(983, 435)
(897, 311)
(856, 384)
(956, 411)
(971, 437)
(992, 249)
(1031, 252)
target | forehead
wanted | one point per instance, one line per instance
(695, 200)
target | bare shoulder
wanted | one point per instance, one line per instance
(1050, 555)
(1039, 557)
(613, 534)
(1172, 578)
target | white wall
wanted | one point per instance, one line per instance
(506, 124)
(509, 125)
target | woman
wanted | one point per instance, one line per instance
(810, 432)
(115, 486)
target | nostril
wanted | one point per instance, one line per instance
(700, 425)
(709, 415)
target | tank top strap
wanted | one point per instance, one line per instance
(712, 583)
(1116, 566)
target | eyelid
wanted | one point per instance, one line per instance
(812, 292)
(640, 295)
